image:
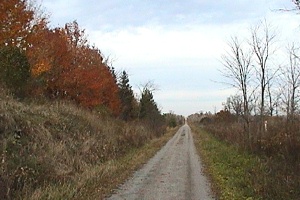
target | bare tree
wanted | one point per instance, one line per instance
(149, 85)
(254, 104)
(237, 67)
(291, 82)
(262, 41)
(235, 104)
(272, 98)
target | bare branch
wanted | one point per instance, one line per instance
(262, 43)
(237, 68)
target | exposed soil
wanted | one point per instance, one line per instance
(175, 172)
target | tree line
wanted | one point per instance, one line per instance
(265, 89)
(263, 115)
(38, 61)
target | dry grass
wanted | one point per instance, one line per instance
(99, 181)
(58, 151)
(277, 150)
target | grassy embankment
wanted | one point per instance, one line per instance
(236, 174)
(58, 151)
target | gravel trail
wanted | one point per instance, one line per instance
(173, 173)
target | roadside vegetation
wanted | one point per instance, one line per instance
(60, 151)
(255, 138)
(71, 127)
(239, 174)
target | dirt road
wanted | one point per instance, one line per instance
(173, 173)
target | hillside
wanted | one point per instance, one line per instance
(52, 148)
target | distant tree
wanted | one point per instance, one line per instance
(128, 104)
(235, 104)
(147, 103)
(173, 120)
(149, 111)
(262, 41)
(148, 107)
(14, 69)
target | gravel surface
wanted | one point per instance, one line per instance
(173, 173)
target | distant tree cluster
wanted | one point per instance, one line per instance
(174, 120)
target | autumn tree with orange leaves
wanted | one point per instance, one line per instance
(15, 23)
(62, 63)
(66, 67)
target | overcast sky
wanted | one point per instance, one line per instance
(176, 44)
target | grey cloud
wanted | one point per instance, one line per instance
(117, 14)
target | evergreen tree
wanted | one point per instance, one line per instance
(148, 107)
(150, 113)
(14, 69)
(128, 104)
(113, 72)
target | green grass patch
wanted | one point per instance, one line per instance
(232, 172)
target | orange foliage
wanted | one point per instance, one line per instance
(73, 70)
(49, 50)
(63, 65)
(15, 22)
(90, 84)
